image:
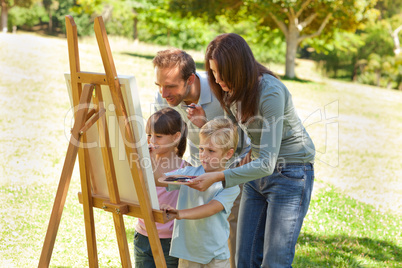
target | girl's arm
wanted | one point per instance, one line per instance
(196, 213)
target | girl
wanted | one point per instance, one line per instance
(278, 179)
(167, 134)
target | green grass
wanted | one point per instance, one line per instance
(342, 232)
(355, 215)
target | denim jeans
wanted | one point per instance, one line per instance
(271, 215)
(143, 257)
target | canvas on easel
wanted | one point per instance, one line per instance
(108, 137)
(122, 164)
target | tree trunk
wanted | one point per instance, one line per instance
(4, 16)
(354, 74)
(50, 28)
(399, 82)
(135, 28)
(395, 37)
(378, 77)
(291, 51)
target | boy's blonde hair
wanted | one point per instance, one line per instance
(221, 132)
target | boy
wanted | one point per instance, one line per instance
(201, 229)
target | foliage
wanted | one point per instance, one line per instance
(337, 58)
(267, 45)
(19, 16)
(120, 21)
(371, 60)
(388, 8)
(376, 40)
(339, 35)
(298, 20)
(82, 19)
(19, 3)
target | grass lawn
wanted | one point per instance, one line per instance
(355, 217)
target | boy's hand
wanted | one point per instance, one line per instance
(171, 212)
(202, 182)
(196, 115)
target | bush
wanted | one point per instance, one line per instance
(22, 16)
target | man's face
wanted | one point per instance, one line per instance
(171, 85)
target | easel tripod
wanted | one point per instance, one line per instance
(85, 117)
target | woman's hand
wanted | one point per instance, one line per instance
(196, 115)
(204, 181)
(171, 212)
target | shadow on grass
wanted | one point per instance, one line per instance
(198, 65)
(296, 79)
(338, 251)
(345, 251)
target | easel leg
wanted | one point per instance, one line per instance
(88, 212)
(122, 240)
(121, 112)
(65, 180)
(112, 182)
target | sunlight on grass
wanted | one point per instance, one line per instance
(342, 232)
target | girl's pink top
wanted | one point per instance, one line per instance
(164, 197)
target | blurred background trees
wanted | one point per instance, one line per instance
(356, 40)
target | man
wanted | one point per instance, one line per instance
(182, 88)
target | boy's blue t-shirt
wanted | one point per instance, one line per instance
(204, 239)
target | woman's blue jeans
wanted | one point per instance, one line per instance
(271, 215)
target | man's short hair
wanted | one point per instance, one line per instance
(175, 57)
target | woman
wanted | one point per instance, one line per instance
(278, 176)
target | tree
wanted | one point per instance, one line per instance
(297, 19)
(394, 34)
(6, 5)
(302, 20)
(50, 6)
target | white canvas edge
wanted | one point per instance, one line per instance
(132, 103)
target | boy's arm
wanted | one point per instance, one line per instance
(200, 212)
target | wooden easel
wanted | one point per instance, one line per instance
(84, 118)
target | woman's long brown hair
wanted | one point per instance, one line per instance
(239, 70)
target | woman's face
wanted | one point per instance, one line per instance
(214, 68)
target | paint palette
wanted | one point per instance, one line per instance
(177, 179)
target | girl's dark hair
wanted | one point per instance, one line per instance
(168, 121)
(240, 71)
